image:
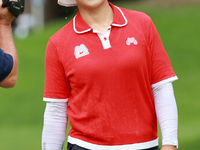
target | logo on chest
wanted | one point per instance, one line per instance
(81, 51)
(131, 40)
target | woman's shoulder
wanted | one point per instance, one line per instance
(134, 14)
(64, 31)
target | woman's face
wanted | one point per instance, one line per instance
(90, 4)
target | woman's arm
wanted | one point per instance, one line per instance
(166, 110)
(55, 125)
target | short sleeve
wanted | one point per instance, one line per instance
(161, 68)
(56, 84)
(6, 64)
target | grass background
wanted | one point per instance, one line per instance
(22, 108)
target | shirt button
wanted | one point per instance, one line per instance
(105, 38)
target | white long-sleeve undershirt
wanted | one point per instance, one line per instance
(55, 124)
(55, 119)
(166, 111)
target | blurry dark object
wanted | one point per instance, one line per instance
(14, 7)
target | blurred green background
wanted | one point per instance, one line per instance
(22, 108)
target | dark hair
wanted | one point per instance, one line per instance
(75, 11)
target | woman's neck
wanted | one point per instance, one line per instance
(98, 18)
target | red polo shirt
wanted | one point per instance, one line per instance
(106, 79)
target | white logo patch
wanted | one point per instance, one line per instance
(81, 51)
(131, 40)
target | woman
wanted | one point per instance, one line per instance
(109, 71)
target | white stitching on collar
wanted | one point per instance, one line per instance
(75, 27)
(126, 21)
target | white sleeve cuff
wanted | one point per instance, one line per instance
(54, 100)
(166, 111)
(158, 84)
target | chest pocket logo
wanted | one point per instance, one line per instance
(131, 40)
(81, 51)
